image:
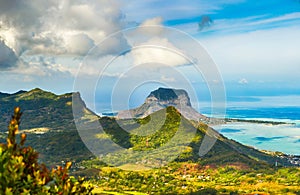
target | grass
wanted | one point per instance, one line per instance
(134, 167)
(99, 191)
(183, 178)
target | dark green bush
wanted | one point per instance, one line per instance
(20, 172)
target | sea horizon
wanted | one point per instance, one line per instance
(282, 138)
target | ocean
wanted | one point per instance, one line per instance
(283, 138)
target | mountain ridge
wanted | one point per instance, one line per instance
(54, 114)
(48, 121)
(162, 98)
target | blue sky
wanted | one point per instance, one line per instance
(254, 44)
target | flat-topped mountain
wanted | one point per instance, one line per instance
(49, 122)
(168, 97)
(163, 98)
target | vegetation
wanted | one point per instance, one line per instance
(53, 114)
(189, 138)
(48, 121)
(41, 109)
(257, 121)
(192, 178)
(229, 167)
(20, 172)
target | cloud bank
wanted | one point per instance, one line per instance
(57, 27)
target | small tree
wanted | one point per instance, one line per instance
(20, 172)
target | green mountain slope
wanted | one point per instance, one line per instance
(48, 121)
(187, 143)
(41, 109)
(155, 140)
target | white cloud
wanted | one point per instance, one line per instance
(243, 81)
(151, 27)
(283, 18)
(32, 31)
(40, 66)
(58, 27)
(158, 50)
(151, 43)
(79, 44)
(152, 22)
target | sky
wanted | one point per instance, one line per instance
(103, 46)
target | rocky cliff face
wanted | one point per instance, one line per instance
(169, 97)
(162, 98)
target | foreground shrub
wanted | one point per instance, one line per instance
(20, 172)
